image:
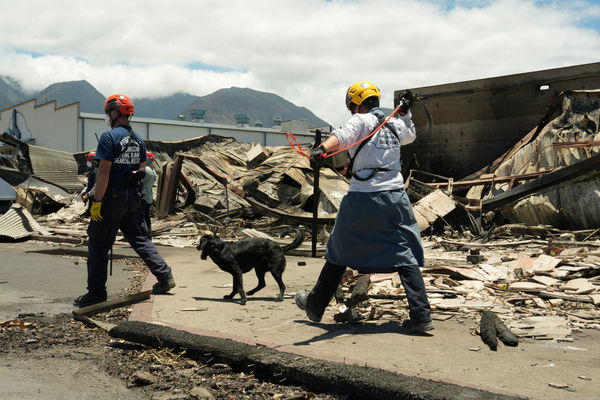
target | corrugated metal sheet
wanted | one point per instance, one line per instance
(572, 205)
(7, 192)
(57, 167)
(18, 223)
(567, 141)
(55, 193)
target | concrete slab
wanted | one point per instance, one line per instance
(34, 279)
(196, 306)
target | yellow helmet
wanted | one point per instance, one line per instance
(359, 92)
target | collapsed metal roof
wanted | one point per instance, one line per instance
(53, 166)
(7, 192)
(18, 223)
(549, 177)
(218, 176)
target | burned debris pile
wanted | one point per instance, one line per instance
(547, 179)
(519, 238)
(538, 290)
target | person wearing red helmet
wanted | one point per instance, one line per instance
(148, 197)
(117, 203)
(375, 228)
(92, 166)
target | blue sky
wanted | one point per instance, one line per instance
(306, 51)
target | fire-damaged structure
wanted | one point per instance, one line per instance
(547, 178)
(463, 126)
(517, 235)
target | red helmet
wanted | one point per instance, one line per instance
(149, 156)
(90, 156)
(120, 102)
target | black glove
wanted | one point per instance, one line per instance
(405, 101)
(317, 156)
(137, 175)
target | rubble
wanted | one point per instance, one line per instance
(518, 238)
(537, 295)
(546, 179)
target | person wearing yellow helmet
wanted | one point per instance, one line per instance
(359, 92)
(375, 228)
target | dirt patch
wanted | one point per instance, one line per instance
(47, 356)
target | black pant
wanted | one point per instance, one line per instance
(146, 213)
(410, 276)
(121, 209)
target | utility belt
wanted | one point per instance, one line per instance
(133, 180)
(122, 185)
(371, 175)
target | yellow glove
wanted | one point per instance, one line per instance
(95, 211)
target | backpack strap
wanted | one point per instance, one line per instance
(132, 137)
(351, 174)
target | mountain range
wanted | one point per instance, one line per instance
(220, 107)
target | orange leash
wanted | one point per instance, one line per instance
(299, 150)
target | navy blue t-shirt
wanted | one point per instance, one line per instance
(112, 143)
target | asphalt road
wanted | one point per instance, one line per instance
(42, 278)
(37, 278)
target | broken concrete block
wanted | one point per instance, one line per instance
(256, 155)
(539, 302)
(596, 299)
(545, 280)
(545, 263)
(427, 210)
(543, 327)
(141, 378)
(578, 286)
(518, 286)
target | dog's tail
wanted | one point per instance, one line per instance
(297, 240)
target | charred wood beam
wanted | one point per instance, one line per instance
(492, 180)
(167, 186)
(112, 304)
(569, 145)
(286, 217)
(590, 165)
(359, 293)
(190, 197)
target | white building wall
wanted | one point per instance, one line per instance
(66, 129)
(171, 130)
(50, 126)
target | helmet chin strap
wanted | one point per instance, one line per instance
(111, 122)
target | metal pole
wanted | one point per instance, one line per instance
(226, 197)
(111, 258)
(316, 195)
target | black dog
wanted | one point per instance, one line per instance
(240, 257)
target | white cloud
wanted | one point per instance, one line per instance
(308, 52)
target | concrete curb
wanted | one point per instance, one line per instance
(359, 382)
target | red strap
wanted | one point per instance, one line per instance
(298, 149)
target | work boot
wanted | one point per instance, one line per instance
(88, 299)
(417, 326)
(301, 301)
(163, 286)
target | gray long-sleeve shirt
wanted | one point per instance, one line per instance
(382, 150)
